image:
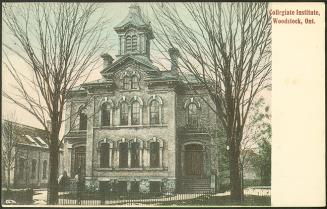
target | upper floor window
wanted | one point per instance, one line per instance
(128, 43)
(154, 154)
(33, 169)
(123, 155)
(135, 158)
(82, 120)
(104, 155)
(125, 82)
(134, 82)
(105, 114)
(123, 113)
(134, 43)
(192, 115)
(154, 112)
(135, 113)
(45, 167)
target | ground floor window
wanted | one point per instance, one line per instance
(155, 186)
(154, 154)
(21, 164)
(135, 158)
(135, 186)
(123, 155)
(104, 186)
(104, 155)
(121, 186)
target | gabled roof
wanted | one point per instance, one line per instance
(137, 58)
(28, 135)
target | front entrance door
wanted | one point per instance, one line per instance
(193, 160)
(80, 153)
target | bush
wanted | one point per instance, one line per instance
(21, 196)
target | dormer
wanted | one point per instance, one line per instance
(134, 34)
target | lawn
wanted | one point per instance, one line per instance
(249, 200)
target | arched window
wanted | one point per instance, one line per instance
(33, 169)
(82, 119)
(134, 43)
(135, 113)
(123, 155)
(123, 113)
(128, 44)
(21, 167)
(45, 167)
(192, 115)
(125, 82)
(105, 114)
(104, 155)
(134, 82)
(154, 154)
(154, 112)
(135, 158)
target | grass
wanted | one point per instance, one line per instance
(249, 200)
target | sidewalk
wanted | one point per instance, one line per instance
(40, 197)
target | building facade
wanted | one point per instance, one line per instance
(140, 127)
(30, 156)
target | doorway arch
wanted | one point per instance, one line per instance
(193, 160)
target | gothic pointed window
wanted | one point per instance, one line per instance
(135, 113)
(154, 112)
(105, 114)
(123, 113)
(134, 43)
(134, 82)
(192, 115)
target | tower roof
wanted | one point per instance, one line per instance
(134, 18)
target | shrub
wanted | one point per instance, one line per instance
(21, 196)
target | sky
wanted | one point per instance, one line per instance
(116, 12)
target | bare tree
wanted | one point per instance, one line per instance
(227, 47)
(59, 44)
(256, 131)
(9, 150)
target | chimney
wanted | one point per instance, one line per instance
(174, 54)
(107, 60)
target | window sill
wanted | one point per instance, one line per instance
(132, 126)
(129, 90)
(132, 169)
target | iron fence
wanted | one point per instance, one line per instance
(124, 198)
(138, 198)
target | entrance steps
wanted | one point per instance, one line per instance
(195, 185)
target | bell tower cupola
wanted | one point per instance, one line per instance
(134, 33)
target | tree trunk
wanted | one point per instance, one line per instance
(234, 169)
(235, 179)
(8, 179)
(54, 154)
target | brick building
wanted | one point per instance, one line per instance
(138, 126)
